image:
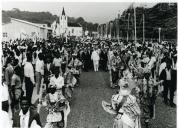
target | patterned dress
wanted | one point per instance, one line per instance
(147, 99)
(128, 111)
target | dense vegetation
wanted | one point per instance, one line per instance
(44, 17)
(163, 15)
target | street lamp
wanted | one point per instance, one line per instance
(118, 27)
(128, 28)
(159, 34)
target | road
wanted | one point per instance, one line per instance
(87, 112)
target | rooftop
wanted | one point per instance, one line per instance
(30, 23)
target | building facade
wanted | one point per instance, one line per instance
(61, 27)
(20, 29)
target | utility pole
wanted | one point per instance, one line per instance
(118, 28)
(66, 35)
(143, 27)
(106, 30)
(128, 28)
(110, 29)
(159, 34)
(144, 23)
(135, 24)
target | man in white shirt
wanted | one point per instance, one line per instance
(25, 117)
(57, 80)
(39, 68)
(95, 57)
(57, 61)
(29, 77)
(4, 96)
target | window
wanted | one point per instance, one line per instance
(5, 34)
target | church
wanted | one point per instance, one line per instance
(62, 28)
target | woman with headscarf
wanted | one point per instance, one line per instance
(76, 64)
(124, 106)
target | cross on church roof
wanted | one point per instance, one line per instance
(63, 12)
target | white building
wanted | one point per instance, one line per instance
(61, 27)
(23, 29)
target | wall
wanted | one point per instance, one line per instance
(17, 29)
(75, 31)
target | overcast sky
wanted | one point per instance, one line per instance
(91, 12)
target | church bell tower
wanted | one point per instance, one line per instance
(63, 22)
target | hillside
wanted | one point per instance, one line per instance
(163, 15)
(43, 17)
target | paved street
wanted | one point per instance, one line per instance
(87, 112)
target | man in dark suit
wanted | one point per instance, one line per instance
(48, 70)
(24, 117)
(86, 60)
(89, 50)
(169, 77)
(104, 59)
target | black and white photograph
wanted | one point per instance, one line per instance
(88, 64)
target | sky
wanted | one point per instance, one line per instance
(95, 12)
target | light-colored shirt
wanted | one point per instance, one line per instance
(53, 97)
(162, 66)
(29, 72)
(57, 62)
(24, 119)
(59, 82)
(48, 66)
(151, 63)
(4, 92)
(110, 54)
(146, 60)
(39, 67)
(95, 55)
(168, 74)
(8, 74)
(16, 81)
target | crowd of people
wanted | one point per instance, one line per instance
(139, 69)
(142, 71)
